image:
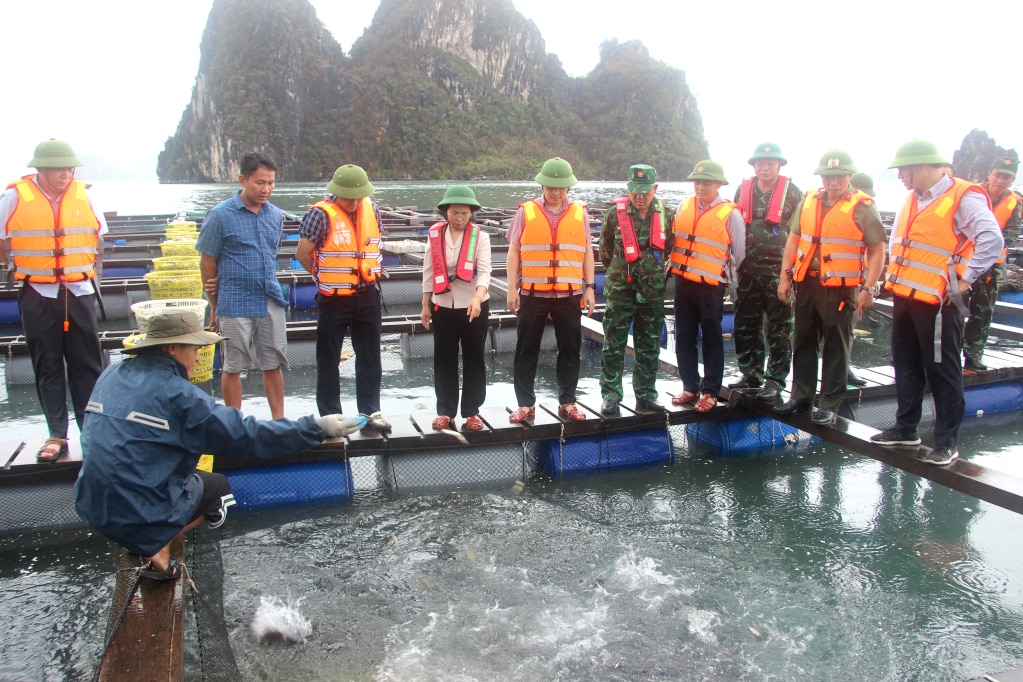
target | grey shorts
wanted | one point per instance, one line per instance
(255, 342)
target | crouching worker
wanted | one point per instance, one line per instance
(145, 428)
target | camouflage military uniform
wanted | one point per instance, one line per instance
(757, 293)
(635, 294)
(984, 293)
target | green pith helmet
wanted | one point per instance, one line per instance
(1005, 164)
(767, 150)
(642, 178)
(350, 182)
(918, 153)
(708, 170)
(863, 182)
(458, 194)
(556, 172)
(54, 154)
(836, 162)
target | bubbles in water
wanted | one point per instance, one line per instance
(276, 620)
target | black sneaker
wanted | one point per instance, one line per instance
(896, 437)
(942, 455)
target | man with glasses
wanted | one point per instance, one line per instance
(53, 236)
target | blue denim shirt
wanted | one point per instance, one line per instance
(245, 246)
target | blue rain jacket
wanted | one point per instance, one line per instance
(145, 428)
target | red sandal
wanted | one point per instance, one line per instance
(474, 423)
(706, 403)
(571, 411)
(522, 414)
(442, 421)
(683, 398)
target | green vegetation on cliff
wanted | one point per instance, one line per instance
(438, 89)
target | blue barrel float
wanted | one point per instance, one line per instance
(274, 487)
(587, 454)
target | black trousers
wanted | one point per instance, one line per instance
(532, 317)
(698, 309)
(823, 329)
(214, 487)
(50, 347)
(451, 330)
(337, 315)
(913, 324)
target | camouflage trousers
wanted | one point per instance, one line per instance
(763, 325)
(647, 321)
(983, 295)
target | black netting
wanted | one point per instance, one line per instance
(207, 571)
(39, 500)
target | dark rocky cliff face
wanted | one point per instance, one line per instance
(433, 89)
(973, 159)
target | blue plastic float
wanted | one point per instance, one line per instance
(291, 485)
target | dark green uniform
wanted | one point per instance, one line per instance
(635, 295)
(984, 292)
(757, 292)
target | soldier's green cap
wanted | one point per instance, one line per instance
(54, 154)
(1005, 164)
(350, 182)
(836, 162)
(642, 178)
(918, 153)
(708, 170)
(460, 195)
(863, 182)
(767, 150)
(556, 172)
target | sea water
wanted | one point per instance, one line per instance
(819, 565)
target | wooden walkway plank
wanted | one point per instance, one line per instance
(992, 486)
(149, 643)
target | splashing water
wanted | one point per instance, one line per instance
(276, 620)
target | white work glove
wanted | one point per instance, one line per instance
(338, 425)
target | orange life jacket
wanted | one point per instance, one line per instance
(927, 255)
(838, 237)
(350, 258)
(702, 242)
(553, 267)
(1003, 211)
(774, 208)
(465, 267)
(630, 244)
(53, 245)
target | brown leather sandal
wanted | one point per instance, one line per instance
(52, 450)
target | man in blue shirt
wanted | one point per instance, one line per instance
(238, 243)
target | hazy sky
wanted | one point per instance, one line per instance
(112, 77)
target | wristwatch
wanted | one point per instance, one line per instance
(869, 290)
(591, 285)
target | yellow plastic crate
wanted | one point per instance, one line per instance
(175, 284)
(177, 262)
(178, 247)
